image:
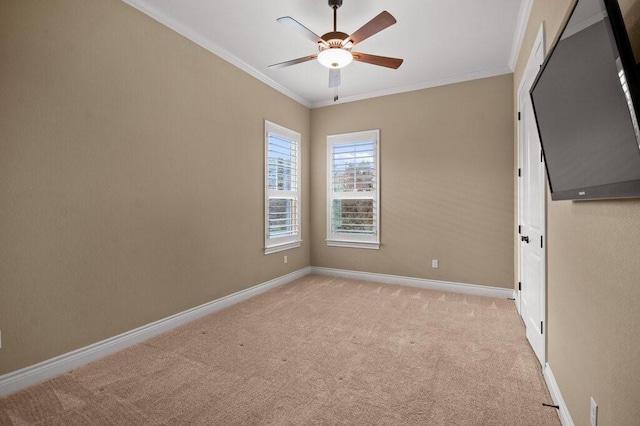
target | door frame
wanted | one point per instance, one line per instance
(536, 58)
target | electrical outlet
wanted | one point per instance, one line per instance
(594, 413)
(435, 264)
(285, 258)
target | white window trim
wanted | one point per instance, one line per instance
(277, 244)
(349, 240)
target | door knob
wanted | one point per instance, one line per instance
(525, 239)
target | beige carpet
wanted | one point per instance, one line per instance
(319, 350)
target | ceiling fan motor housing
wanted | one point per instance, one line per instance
(333, 54)
(333, 39)
(334, 4)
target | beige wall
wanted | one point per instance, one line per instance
(593, 288)
(118, 143)
(631, 15)
(446, 182)
(131, 176)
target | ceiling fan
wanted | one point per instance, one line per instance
(335, 47)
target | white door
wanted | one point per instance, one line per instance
(532, 202)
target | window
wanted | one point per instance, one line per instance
(353, 206)
(282, 188)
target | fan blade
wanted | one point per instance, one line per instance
(306, 32)
(377, 24)
(293, 62)
(383, 61)
(334, 78)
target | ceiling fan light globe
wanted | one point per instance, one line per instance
(335, 58)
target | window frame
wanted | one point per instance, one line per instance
(274, 244)
(341, 239)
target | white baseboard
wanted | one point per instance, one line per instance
(28, 376)
(478, 290)
(554, 390)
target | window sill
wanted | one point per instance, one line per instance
(282, 247)
(354, 244)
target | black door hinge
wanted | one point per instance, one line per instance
(541, 156)
(519, 172)
(519, 229)
(518, 115)
(541, 241)
(520, 286)
(541, 327)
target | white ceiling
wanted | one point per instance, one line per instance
(441, 41)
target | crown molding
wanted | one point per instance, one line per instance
(419, 86)
(208, 44)
(521, 28)
(211, 46)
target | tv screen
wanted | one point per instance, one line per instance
(586, 101)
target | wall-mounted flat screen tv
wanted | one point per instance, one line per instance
(586, 100)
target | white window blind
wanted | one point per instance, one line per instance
(282, 188)
(353, 196)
